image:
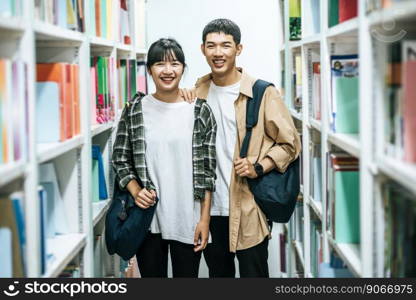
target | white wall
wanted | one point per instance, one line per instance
(259, 22)
(184, 20)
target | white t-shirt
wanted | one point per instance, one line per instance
(168, 136)
(221, 100)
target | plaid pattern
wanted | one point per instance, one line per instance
(129, 160)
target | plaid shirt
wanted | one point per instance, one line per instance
(129, 160)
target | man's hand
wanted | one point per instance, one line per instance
(188, 95)
(244, 168)
(145, 198)
(201, 236)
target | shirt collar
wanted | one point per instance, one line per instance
(246, 86)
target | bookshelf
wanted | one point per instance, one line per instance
(379, 170)
(27, 38)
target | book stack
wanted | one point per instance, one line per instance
(57, 96)
(67, 14)
(400, 107)
(341, 11)
(103, 89)
(13, 111)
(343, 207)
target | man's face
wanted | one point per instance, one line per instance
(220, 51)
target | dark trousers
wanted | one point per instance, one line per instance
(152, 258)
(252, 261)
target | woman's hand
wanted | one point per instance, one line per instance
(145, 198)
(201, 235)
(188, 95)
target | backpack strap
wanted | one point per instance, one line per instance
(252, 112)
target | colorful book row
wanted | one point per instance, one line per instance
(13, 111)
(67, 14)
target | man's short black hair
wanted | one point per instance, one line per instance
(222, 25)
(165, 49)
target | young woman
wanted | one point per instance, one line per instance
(168, 145)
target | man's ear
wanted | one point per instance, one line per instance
(203, 49)
(239, 49)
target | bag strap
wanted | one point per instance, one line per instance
(252, 112)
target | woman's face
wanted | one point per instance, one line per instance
(167, 74)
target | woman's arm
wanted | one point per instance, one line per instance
(202, 228)
(122, 158)
(123, 164)
(210, 161)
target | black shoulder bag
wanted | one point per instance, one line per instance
(275, 193)
(126, 224)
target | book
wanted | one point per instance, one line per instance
(60, 73)
(409, 103)
(344, 99)
(17, 199)
(48, 104)
(98, 168)
(140, 24)
(295, 20)
(312, 18)
(316, 90)
(333, 13)
(141, 76)
(124, 24)
(10, 235)
(57, 222)
(399, 234)
(68, 14)
(6, 253)
(343, 201)
(348, 9)
(297, 78)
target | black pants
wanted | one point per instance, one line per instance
(252, 261)
(152, 258)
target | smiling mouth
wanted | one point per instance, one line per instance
(218, 63)
(167, 79)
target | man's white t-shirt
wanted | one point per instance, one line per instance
(168, 136)
(221, 100)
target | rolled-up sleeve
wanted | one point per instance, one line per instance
(122, 158)
(279, 126)
(210, 161)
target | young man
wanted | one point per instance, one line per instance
(238, 227)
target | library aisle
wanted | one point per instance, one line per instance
(347, 72)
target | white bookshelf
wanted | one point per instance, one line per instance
(31, 40)
(364, 259)
(64, 249)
